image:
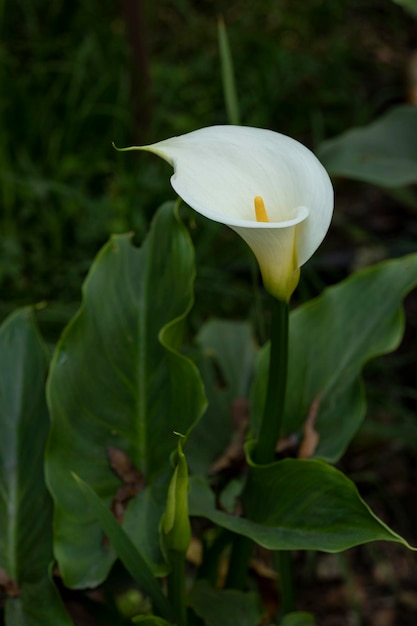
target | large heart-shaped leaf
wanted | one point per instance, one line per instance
(25, 505)
(38, 604)
(383, 153)
(331, 339)
(226, 365)
(119, 388)
(300, 505)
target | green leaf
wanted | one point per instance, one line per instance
(25, 505)
(126, 550)
(228, 74)
(225, 607)
(226, 366)
(39, 604)
(383, 153)
(331, 340)
(298, 619)
(302, 505)
(119, 382)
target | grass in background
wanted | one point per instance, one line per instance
(67, 75)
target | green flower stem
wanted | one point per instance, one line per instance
(176, 587)
(237, 574)
(283, 564)
(264, 452)
(272, 421)
(271, 430)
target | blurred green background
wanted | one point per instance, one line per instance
(76, 76)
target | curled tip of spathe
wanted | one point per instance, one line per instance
(128, 149)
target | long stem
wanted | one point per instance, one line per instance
(264, 452)
(272, 421)
(272, 428)
(176, 587)
(237, 574)
(282, 560)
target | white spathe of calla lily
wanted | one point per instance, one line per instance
(267, 187)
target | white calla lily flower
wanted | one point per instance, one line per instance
(267, 187)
